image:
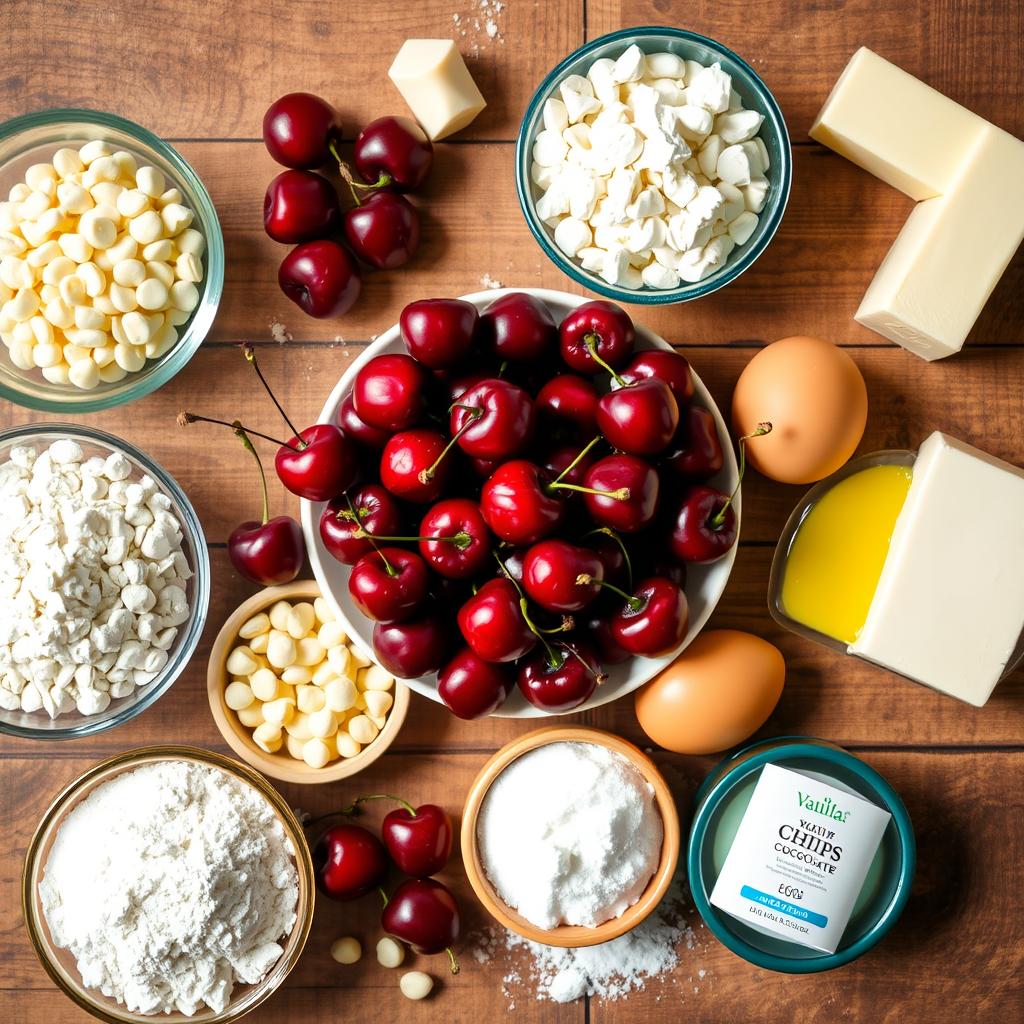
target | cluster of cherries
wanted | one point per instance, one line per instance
(391, 155)
(350, 862)
(553, 515)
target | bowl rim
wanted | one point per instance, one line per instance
(570, 936)
(201, 574)
(481, 299)
(124, 761)
(284, 767)
(778, 195)
(147, 380)
(724, 777)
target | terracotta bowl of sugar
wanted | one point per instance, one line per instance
(659, 861)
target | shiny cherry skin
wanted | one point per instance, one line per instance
(596, 627)
(350, 861)
(640, 482)
(357, 429)
(342, 529)
(699, 533)
(317, 464)
(492, 623)
(640, 419)
(493, 419)
(552, 570)
(418, 839)
(320, 278)
(658, 562)
(669, 367)
(414, 648)
(458, 559)
(517, 504)
(654, 621)
(696, 450)
(269, 553)
(456, 386)
(600, 328)
(389, 392)
(518, 327)
(559, 459)
(394, 152)
(565, 683)
(299, 130)
(472, 687)
(568, 402)
(383, 230)
(609, 549)
(424, 914)
(389, 585)
(512, 560)
(406, 465)
(439, 333)
(300, 206)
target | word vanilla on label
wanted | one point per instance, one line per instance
(800, 858)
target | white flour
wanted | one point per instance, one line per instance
(169, 884)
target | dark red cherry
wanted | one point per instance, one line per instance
(628, 498)
(439, 332)
(519, 327)
(389, 392)
(393, 152)
(493, 624)
(300, 129)
(414, 648)
(472, 687)
(389, 584)
(561, 680)
(596, 336)
(492, 419)
(348, 521)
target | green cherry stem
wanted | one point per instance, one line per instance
(524, 608)
(622, 494)
(590, 340)
(249, 447)
(345, 171)
(360, 800)
(717, 521)
(461, 540)
(250, 354)
(426, 475)
(575, 462)
(608, 532)
(388, 567)
(185, 418)
(599, 677)
(585, 580)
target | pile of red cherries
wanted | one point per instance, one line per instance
(530, 496)
(392, 155)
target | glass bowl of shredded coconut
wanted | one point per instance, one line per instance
(104, 581)
(170, 883)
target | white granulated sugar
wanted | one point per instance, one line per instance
(569, 834)
(170, 884)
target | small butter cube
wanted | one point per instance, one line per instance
(436, 84)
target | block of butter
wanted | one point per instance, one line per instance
(949, 607)
(436, 84)
(956, 244)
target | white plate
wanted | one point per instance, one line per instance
(704, 583)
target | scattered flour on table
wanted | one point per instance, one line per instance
(481, 24)
(279, 332)
(490, 282)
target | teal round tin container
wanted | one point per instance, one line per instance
(720, 803)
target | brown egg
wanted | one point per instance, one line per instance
(815, 398)
(719, 691)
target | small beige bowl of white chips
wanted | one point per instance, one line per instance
(292, 696)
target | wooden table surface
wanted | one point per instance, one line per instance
(201, 74)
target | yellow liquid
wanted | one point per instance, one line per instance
(838, 552)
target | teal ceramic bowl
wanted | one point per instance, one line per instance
(719, 806)
(34, 138)
(756, 96)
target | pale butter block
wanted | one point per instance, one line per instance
(950, 254)
(949, 608)
(896, 127)
(436, 84)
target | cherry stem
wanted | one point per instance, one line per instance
(591, 341)
(354, 809)
(717, 521)
(250, 354)
(461, 540)
(622, 494)
(608, 532)
(185, 418)
(451, 959)
(427, 475)
(249, 447)
(600, 677)
(575, 462)
(524, 607)
(585, 580)
(345, 171)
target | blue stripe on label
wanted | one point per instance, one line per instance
(756, 896)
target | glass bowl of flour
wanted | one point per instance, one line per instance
(168, 883)
(104, 581)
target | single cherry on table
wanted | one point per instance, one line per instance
(424, 913)
(350, 861)
(320, 278)
(383, 230)
(301, 130)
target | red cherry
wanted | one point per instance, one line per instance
(608, 546)
(653, 620)
(704, 528)
(320, 278)
(597, 336)
(389, 585)
(568, 401)
(413, 465)
(517, 504)
(669, 367)
(459, 544)
(629, 498)
(565, 463)
(418, 839)
(414, 648)
(318, 463)
(439, 332)
(393, 152)
(639, 418)
(269, 553)
(423, 913)
(493, 419)
(519, 327)
(596, 627)
(354, 427)
(350, 861)
(389, 392)
(299, 206)
(471, 687)
(696, 450)
(560, 680)
(300, 129)
(383, 230)
(347, 521)
(493, 624)
(560, 576)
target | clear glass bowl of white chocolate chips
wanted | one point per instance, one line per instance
(111, 261)
(653, 165)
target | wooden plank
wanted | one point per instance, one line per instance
(210, 70)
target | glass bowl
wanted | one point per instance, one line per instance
(34, 138)
(756, 96)
(38, 724)
(60, 964)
